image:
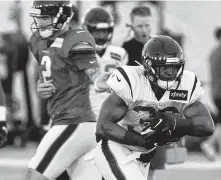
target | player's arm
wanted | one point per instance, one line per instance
(201, 122)
(112, 111)
(197, 122)
(83, 54)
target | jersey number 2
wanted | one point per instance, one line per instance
(46, 65)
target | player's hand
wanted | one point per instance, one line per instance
(3, 134)
(101, 82)
(159, 138)
(45, 89)
(168, 121)
(165, 138)
(150, 139)
(164, 121)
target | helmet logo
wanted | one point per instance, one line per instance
(102, 25)
(34, 11)
(172, 60)
(59, 26)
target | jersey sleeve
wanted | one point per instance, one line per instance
(197, 91)
(83, 56)
(80, 49)
(120, 83)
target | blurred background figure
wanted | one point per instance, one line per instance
(100, 23)
(15, 53)
(112, 8)
(141, 21)
(208, 146)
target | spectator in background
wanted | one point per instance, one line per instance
(208, 146)
(141, 22)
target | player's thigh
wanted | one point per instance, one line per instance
(116, 162)
(62, 145)
(84, 168)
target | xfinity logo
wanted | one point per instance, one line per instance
(178, 95)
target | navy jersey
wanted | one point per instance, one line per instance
(70, 102)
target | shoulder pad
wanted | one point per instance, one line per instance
(123, 82)
(190, 82)
(82, 47)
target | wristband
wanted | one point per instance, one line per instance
(131, 138)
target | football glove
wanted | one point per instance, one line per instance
(157, 137)
(162, 126)
(164, 121)
(3, 133)
(165, 138)
(150, 139)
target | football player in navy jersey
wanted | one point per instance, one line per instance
(151, 105)
(67, 65)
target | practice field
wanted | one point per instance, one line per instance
(13, 162)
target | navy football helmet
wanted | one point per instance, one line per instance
(162, 51)
(60, 12)
(98, 19)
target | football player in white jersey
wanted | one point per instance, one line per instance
(100, 24)
(150, 105)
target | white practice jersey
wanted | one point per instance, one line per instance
(129, 83)
(113, 57)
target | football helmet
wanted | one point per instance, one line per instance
(60, 12)
(162, 51)
(99, 19)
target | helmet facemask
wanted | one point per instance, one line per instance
(153, 72)
(99, 23)
(60, 17)
(163, 61)
(102, 33)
